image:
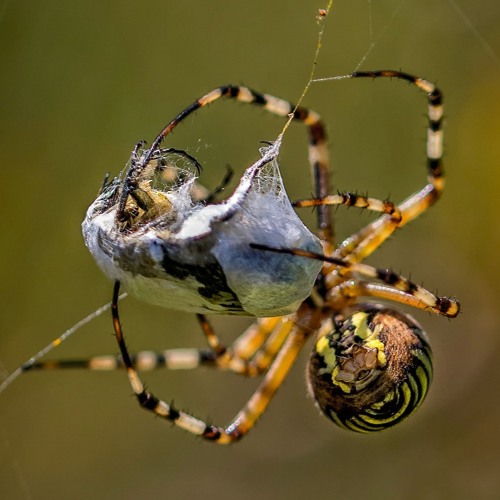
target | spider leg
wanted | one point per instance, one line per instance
(255, 406)
(318, 151)
(361, 245)
(419, 298)
(253, 338)
(395, 287)
(172, 359)
(353, 200)
(249, 355)
(400, 290)
(279, 369)
(254, 350)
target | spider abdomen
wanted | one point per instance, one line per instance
(371, 370)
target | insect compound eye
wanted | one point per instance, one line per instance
(370, 370)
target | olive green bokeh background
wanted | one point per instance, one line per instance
(83, 81)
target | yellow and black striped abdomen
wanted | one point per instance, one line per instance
(370, 370)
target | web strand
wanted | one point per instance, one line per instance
(322, 22)
(485, 45)
(55, 343)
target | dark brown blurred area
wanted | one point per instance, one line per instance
(83, 81)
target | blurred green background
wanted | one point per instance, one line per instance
(83, 81)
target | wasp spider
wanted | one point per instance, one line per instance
(370, 365)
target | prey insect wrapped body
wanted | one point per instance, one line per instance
(195, 256)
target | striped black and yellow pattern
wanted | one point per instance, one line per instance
(371, 371)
